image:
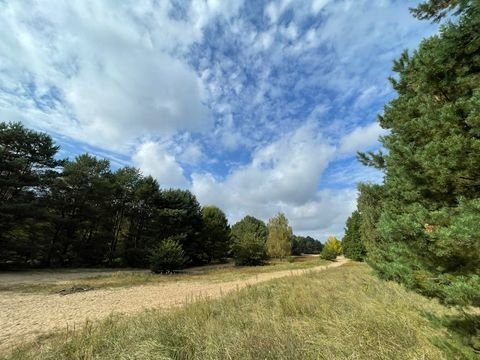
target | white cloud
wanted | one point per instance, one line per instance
(361, 138)
(119, 69)
(153, 159)
(285, 175)
(318, 5)
(282, 176)
(325, 214)
(146, 79)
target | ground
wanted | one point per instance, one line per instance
(31, 305)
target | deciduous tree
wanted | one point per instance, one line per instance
(280, 236)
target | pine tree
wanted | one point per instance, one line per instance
(216, 233)
(352, 242)
(429, 226)
(27, 168)
(181, 217)
(249, 236)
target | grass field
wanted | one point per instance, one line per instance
(341, 313)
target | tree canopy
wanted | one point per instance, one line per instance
(305, 245)
(331, 249)
(249, 241)
(353, 244)
(424, 223)
(82, 213)
(217, 237)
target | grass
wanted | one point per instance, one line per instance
(133, 278)
(341, 313)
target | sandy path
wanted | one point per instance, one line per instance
(24, 316)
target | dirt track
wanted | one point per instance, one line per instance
(24, 316)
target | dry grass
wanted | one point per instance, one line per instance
(124, 278)
(342, 313)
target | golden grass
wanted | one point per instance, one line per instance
(341, 313)
(134, 278)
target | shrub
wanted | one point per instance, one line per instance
(168, 256)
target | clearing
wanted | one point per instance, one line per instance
(340, 313)
(28, 310)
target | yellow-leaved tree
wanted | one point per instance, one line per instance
(280, 236)
(331, 249)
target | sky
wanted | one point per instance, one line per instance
(254, 106)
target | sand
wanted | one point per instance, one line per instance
(25, 316)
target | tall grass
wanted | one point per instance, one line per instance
(341, 313)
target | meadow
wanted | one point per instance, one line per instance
(340, 313)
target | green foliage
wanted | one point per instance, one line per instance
(167, 256)
(331, 249)
(249, 250)
(305, 245)
(370, 200)
(424, 223)
(27, 168)
(137, 258)
(249, 238)
(352, 242)
(81, 196)
(436, 10)
(180, 216)
(80, 213)
(216, 233)
(125, 182)
(280, 236)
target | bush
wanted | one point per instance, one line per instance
(168, 256)
(249, 250)
(136, 258)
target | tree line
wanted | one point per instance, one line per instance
(61, 213)
(80, 212)
(421, 227)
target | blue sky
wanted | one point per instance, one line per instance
(255, 106)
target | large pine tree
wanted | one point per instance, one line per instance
(27, 168)
(429, 228)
